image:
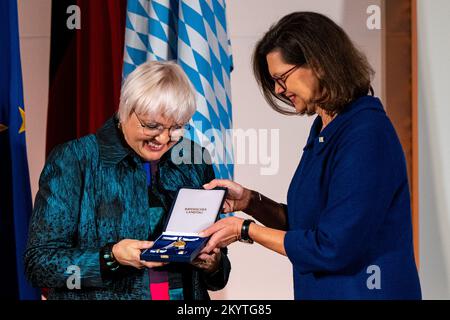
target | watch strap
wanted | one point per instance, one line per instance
(245, 237)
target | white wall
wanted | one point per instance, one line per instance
(34, 28)
(434, 147)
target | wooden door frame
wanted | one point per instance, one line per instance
(401, 90)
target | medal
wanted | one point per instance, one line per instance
(180, 244)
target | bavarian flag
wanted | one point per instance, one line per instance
(15, 195)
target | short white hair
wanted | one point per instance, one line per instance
(158, 88)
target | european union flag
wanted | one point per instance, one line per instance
(15, 195)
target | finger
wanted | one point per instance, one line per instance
(215, 241)
(153, 264)
(211, 185)
(206, 233)
(216, 250)
(223, 238)
(209, 247)
(144, 244)
(217, 183)
(211, 230)
(205, 249)
(203, 257)
(227, 206)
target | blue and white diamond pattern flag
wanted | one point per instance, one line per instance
(194, 33)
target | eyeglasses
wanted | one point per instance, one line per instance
(281, 80)
(155, 129)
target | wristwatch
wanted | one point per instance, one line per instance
(245, 237)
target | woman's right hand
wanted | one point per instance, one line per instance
(238, 197)
(128, 253)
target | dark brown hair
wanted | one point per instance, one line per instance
(343, 71)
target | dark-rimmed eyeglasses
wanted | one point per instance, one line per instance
(281, 79)
(155, 129)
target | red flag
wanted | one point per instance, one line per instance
(85, 68)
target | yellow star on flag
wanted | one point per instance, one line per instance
(3, 127)
(22, 114)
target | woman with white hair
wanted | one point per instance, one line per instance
(103, 198)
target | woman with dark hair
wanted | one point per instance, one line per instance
(347, 226)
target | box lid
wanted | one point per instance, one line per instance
(194, 210)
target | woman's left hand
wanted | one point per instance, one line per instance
(208, 262)
(223, 233)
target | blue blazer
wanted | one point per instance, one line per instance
(349, 215)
